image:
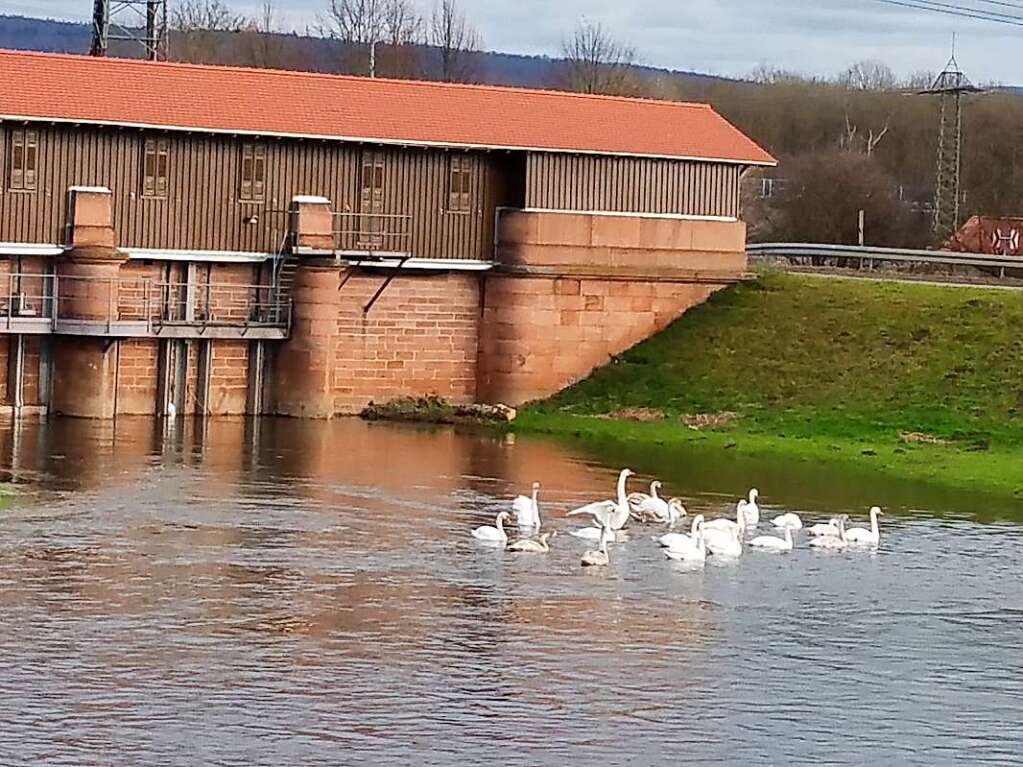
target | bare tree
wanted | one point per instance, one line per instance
(262, 42)
(869, 76)
(361, 26)
(596, 62)
(457, 43)
(200, 29)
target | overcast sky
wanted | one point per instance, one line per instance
(729, 37)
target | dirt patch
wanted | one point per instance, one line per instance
(709, 421)
(639, 414)
(915, 438)
(436, 410)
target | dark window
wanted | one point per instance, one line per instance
(253, 186)
(460, 184)
(156, 167)
(24, 159)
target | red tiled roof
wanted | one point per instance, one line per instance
(237, 100)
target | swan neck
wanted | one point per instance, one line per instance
(622, 497)
(499, 523)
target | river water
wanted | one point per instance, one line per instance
(282, 593)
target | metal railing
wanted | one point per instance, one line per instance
(373, 233)
(867, 257)
(27, 297)
(112, 302)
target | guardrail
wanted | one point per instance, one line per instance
(866, 257)
(136, 305)
(370, 233)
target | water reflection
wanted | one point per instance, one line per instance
(283, 592)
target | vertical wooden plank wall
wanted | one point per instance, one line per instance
(202, 211)
(632, 185)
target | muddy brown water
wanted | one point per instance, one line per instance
(281, 593)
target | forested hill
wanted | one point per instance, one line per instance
(303, 52)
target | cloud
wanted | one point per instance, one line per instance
(730, 37)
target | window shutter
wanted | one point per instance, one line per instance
(246, 188)
(31, 158)
(162, 167)
(17, 180)
(259, 173)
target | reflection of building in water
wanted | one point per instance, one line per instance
(270, 249)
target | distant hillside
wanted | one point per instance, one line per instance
(303, 52)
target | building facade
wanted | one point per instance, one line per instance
(209, 240)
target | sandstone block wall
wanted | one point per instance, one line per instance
(578, 289)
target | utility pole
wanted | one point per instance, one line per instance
(143, 23)
(950, 86)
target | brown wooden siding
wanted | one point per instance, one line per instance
(632, 185)
(202, 210)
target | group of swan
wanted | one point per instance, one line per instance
(719, 537)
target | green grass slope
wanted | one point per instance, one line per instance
(829, 363)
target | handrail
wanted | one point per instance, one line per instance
(371, 231)
(871, 253)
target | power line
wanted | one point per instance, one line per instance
(959, 11)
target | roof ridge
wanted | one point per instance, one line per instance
(227, 68)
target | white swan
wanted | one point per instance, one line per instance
(527, 509)
(750, 510)
(598, 558)
(727, 545)
(650, 508)
(495, 533)
(529, 546)
(773, 543)
(727, 525)
(682, 540)
(871, 537)
(696, 553)
(613, 514)
(788, 520)
(593, 534)
(824, 528)
(833, 541)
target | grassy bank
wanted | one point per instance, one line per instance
(919, 381)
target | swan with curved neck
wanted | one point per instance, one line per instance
(788, 520)
(683, 540)
(527, 508)
(650, 508)
(824, 528)
(529, 546)
(613, 514)
(728, 545)
(833, 541)
(727, 525)
(870, 537)
(600, 557)
(750, 510)
(495, 533)
(773, 543)
(695, 553)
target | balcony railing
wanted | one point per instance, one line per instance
(138, 306)
(373, 234)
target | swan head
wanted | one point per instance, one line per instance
(627, 473)
(697, 522)
(655, 485)
(753, 495)
(504, 516)
(876, 511)
(545, 538)
(676, 509)
(536, 486)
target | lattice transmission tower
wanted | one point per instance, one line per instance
(950, 86)
(142, 24)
